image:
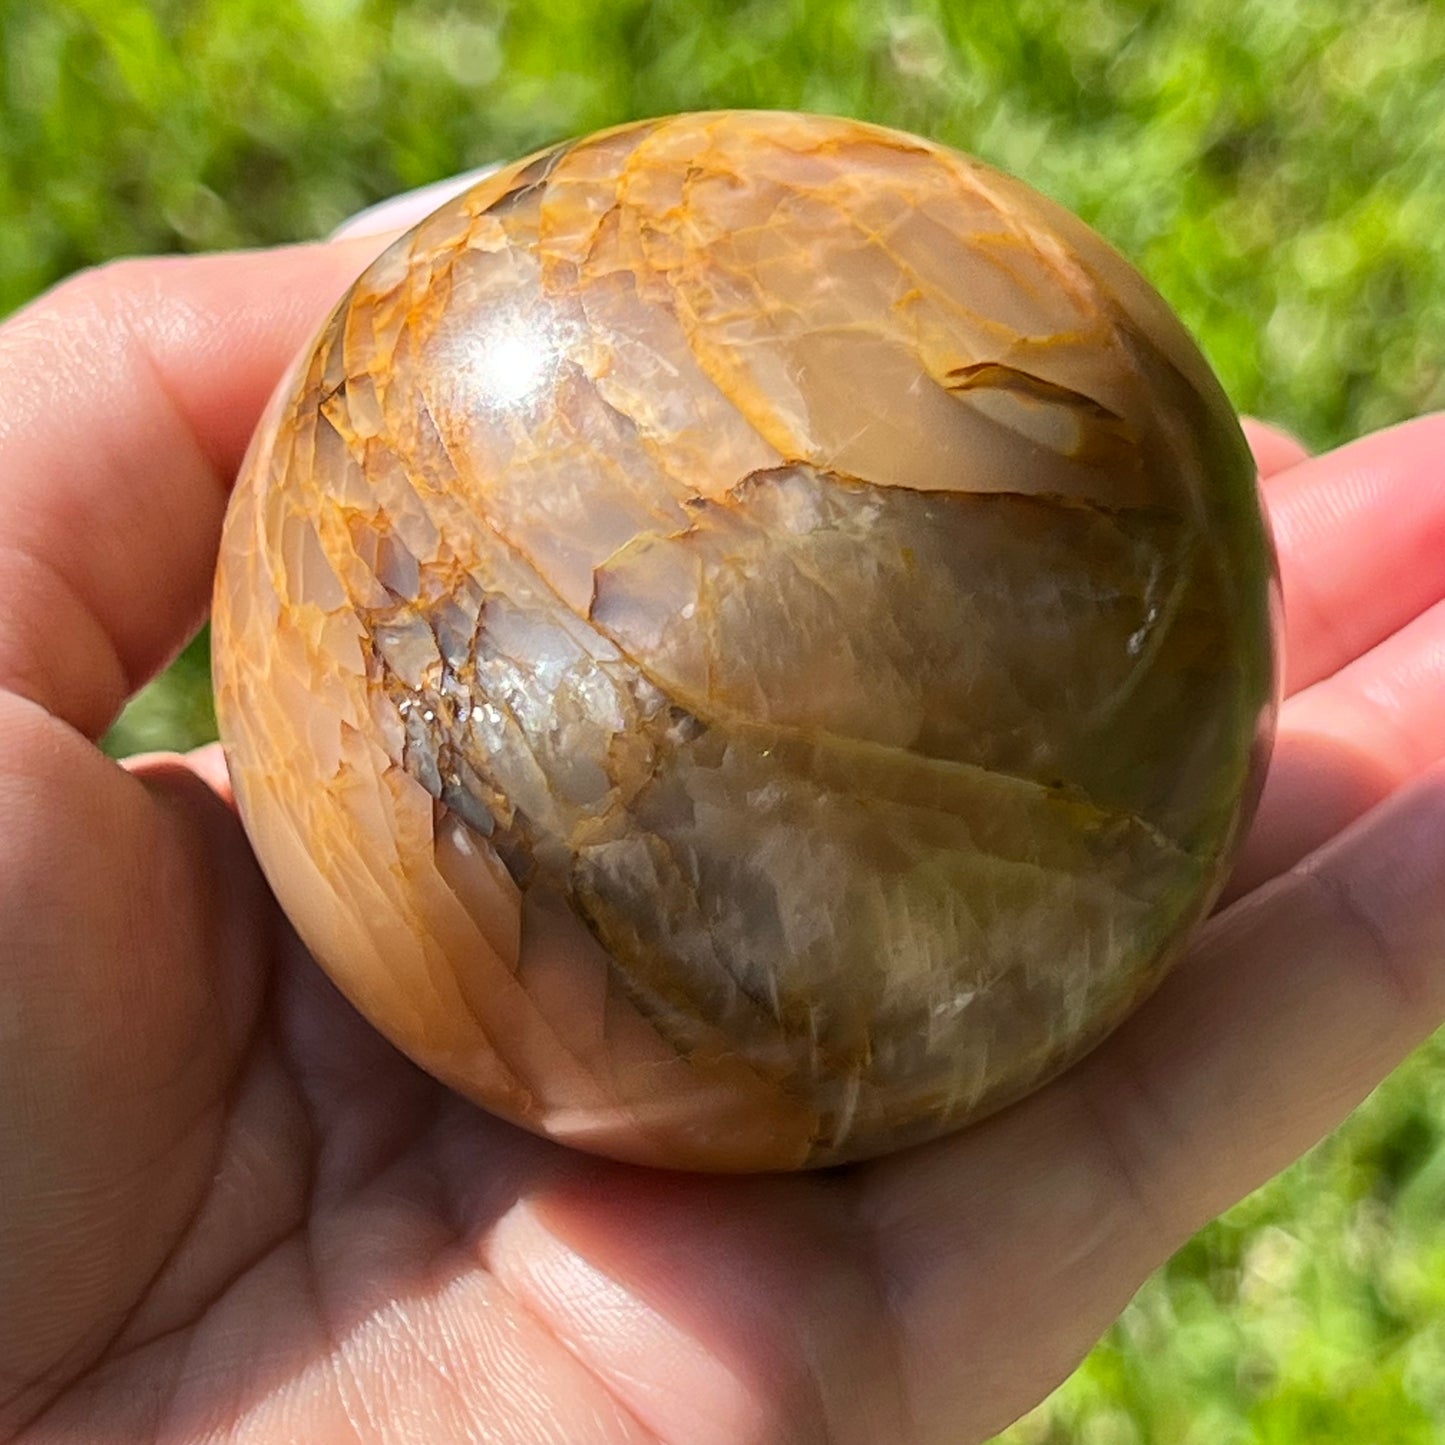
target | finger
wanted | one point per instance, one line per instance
(207, 762)
(1292, 1007)
(399, 213)
(126, 399)
(1275, 450)
(1345, 744)
(1361, 537)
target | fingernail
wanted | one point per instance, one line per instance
(400, 212)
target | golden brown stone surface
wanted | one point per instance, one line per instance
(747, 641)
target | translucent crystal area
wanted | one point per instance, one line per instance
(746, 642)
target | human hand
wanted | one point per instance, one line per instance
(229, 1210)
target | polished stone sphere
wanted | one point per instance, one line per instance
(747, 641)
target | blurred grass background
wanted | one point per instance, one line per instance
(1277, 167)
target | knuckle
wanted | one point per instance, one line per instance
(1358, 917)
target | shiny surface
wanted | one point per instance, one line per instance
(747, 642)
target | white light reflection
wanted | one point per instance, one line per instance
(508, 362)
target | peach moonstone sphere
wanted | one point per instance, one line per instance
(747, 641)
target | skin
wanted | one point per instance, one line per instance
(229, 1211)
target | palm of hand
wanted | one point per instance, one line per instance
(229, 1209)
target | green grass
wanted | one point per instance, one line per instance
(1277, 167)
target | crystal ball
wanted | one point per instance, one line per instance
(747, 641)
